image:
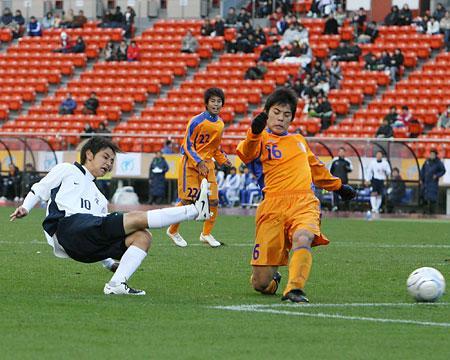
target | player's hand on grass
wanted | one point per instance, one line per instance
(20, 212)
(203, 168)
(259, 123)
(346, 192)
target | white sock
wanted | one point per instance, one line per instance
(128, 265)
(108, 263)
(373, 202)
(379, 200)
(173, 215)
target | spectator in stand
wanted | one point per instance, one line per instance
(133, 52)
(347, 52)
(396, 190)
(371, 61)
(260, 36)
(433, 27)
(392, 116)
(34, 27)
(207, 28)
(282, 25)
(393, 18)
(439, 13)
(270, 53)
(444, 119)
(247, 29)
(335, 75)
(64, 43)
(404, 118)
(18, 18)
(290, 35)
(405, 16)
(421, 24)
(11, 183)
(276, 16)
(169, 147)
(231, 46)
(431, 171)
(67, 106)
(444, 25)
(7, 17)
(340, 15)
(88, 129)
(243, 17)
(331, 26)
(385, 130)
(102, 130)
(231, 18)
(359, 21)
(219, 27)
(117, 18)
(230, 192)
(324, 111)
(157, 179)
(397, 60)
(107, 19)
(189, 43)
(304, 33)
(109, 52)
(256, 72)
(67, 19)
(340, 167)
(79, 47)
(128, 21)
(300, 53)
(48, 21)
(79, 20)
(369, 34)
(122, 51)
(384, 63)
(57, 21)
(248, 186)
(91, 105)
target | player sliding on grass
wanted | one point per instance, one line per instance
(288, 219)
(78, 226)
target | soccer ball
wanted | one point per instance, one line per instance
(426, 284)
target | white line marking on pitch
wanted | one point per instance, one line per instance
(257, 308)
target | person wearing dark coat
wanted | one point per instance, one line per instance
(219, 26)
(393, 18)
(331, 26)
(271, 52)
(431, 171)
(340, 167)
(405, 15)
(385, 130)
(396, 190)
(157, 179)
(11, 183)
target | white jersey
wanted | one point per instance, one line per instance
(378, 170)
(69, 189)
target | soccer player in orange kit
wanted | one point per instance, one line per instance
(200, 145)
(288, 219)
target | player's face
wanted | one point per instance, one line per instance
(101, 163)
(279, 118)
(214, 105)
(379, 156)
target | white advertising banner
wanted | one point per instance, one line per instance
(46, 160)
(353, 5)
(413, 4)
(128, 164)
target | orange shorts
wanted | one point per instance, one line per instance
(277, 219)
(189, 181)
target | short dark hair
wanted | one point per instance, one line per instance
(282, 96)
(214, 92)
(96, 144)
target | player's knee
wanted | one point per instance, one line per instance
(142, 239)
(304, 238)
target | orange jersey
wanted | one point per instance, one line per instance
(202, 139)
(284, 163)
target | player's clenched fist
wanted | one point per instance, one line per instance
(346, 192)
(259, 123)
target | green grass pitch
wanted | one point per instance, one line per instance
(55, 309)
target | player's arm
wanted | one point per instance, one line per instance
(189, 150)
(40, 191)
(250, 148)
(222, 158)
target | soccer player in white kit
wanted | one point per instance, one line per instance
(378, 172)
(78, 226)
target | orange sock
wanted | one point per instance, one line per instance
(299, 268)
(209, 224)
(173, 229)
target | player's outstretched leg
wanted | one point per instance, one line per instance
(299, 267)
(206, 236)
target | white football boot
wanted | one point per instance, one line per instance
(210, 240)
(202, 202)
(121, 289)
(176, 238)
